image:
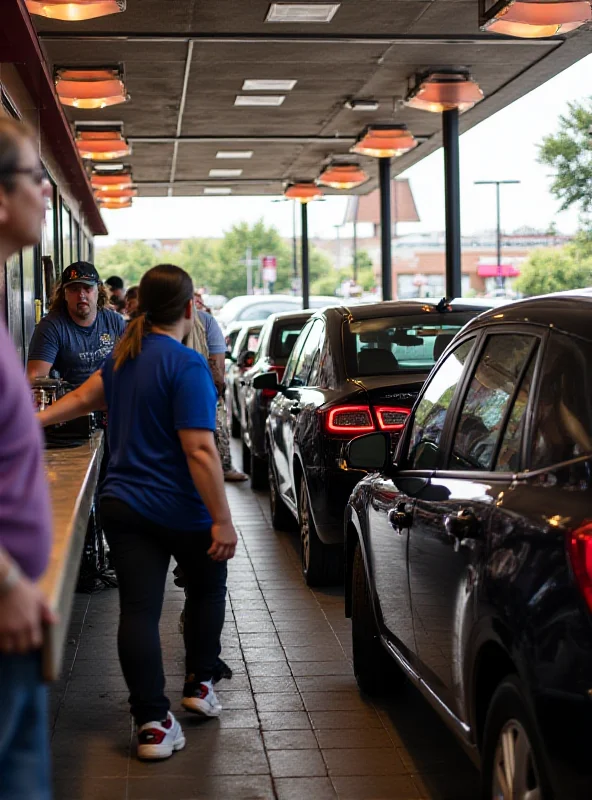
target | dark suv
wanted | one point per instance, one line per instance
(276, 340)
(469, 563)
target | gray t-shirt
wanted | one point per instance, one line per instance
(75, 351)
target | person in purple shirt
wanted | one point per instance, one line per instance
(25, 514)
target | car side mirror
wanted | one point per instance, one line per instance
(267, 380)
(369, 452)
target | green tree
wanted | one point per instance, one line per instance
(569, 153)
(199, 257)
(129, 260)
(569, 267)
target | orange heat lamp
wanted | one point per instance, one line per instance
(384, 141)
(90, 88)
(535, 20)
(116, 203)
(114, 182)
(75, 10)
(102, 145)
(342, 176)
(116, 194)
(444, 91)
(304, 191)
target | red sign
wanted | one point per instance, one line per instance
(492, 271)
(269, 268)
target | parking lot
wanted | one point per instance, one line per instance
(294, 725)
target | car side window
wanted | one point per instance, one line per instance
(484, 408)
(307, 354)
(428, 422)
(508, 459)
(295, 355)
(563, 420)
(314, 376)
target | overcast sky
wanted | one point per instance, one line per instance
(503, 147)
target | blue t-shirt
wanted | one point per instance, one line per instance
(166, 388)
(75, 351)
(214, 336)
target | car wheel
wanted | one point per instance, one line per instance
(375, 671)
(246, 459)
(513, 764)
(235, 427)
(258, 469)
(322, 565)
(281, 516)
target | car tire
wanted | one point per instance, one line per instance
(282, 518)
(509, 721)
(246, 459)
(375, 671)
(258, 471)
(235, 427)
(322, 565)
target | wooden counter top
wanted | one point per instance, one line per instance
(72, 474)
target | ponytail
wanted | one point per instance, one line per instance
(163, 295)
(130, 344)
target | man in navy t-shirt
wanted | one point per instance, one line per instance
(79, 332)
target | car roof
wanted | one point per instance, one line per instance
(290, 316)
(566, 311)
(403, 308)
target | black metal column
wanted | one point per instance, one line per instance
(452, 202)
(304, 249)
(384, 165)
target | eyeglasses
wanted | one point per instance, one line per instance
(38, 174)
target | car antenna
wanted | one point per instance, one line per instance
(444, 305)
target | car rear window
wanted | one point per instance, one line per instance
(391, 345)
(283, 341)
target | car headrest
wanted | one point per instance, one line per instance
(288, 344)
(375, 361)
(441, 343)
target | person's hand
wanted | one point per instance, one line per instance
(23, 611)
(224, 541)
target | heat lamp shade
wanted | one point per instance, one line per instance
(445, 92)
(90, 88)
(75, 10)
(342, 176)
(530, 20)
(305, 192)
(385, 142)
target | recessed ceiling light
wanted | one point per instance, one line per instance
(362, 105)
(234, 154)
(302, 12)
(259, 99)
(225, 173)
(217, 190)
(268, 85)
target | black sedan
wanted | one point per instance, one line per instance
(352, 370)
(469, 563)
(276, 340)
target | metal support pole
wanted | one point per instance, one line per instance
(500, 273)
(294, 250)
(249, 261)
(355, 241)
(304, 247)
(384, 165)
(452, 202)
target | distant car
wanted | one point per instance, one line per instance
(469, 559)
(277, 338)
(247, 308)
(231, 333)
(241, 358)
(353, 369)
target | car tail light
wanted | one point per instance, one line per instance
(349, 419)
(579, 546)
(268, 394)
(391, 418)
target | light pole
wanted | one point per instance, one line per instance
(500, 276)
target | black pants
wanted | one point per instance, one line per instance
(140, 553)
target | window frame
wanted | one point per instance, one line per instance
(313, 322)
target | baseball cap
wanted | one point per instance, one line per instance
(80, 272)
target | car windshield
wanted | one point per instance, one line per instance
(391, 345)
(284, 339)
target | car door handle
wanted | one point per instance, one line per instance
(295, 409)
(462, 527)
(400, 517)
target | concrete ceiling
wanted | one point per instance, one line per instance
(186, 60)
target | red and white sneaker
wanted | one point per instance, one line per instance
(200, 698)
(157, 740)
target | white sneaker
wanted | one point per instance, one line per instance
(200, 698)
(157, 740)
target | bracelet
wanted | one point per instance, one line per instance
(11, 578)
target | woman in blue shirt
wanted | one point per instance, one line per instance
(163, 495)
